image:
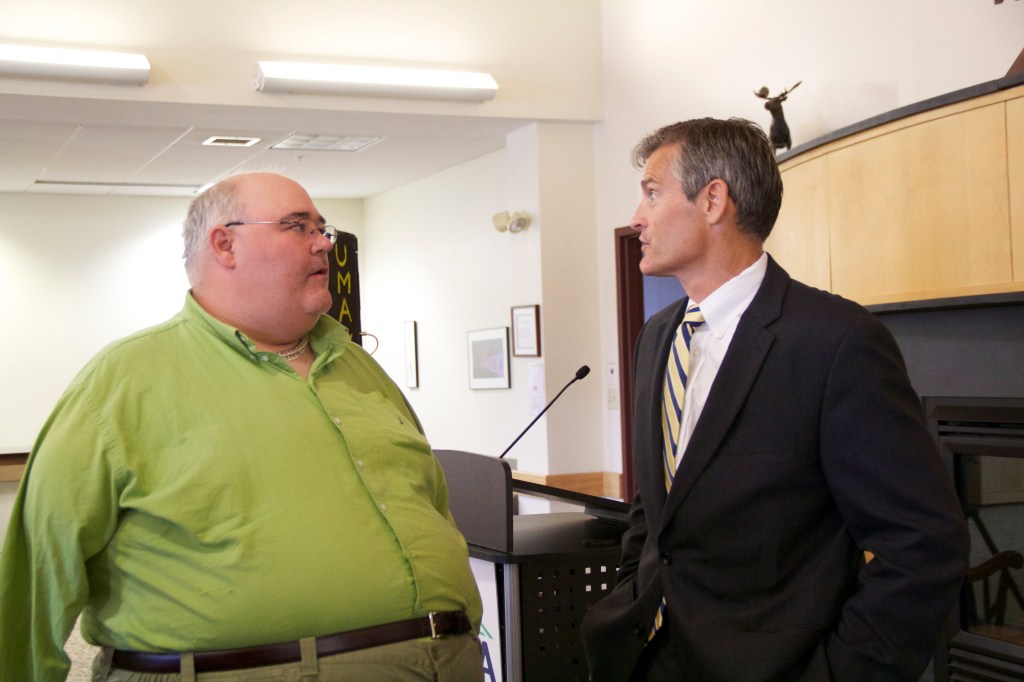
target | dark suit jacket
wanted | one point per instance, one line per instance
(810, 448)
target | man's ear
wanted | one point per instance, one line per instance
(716, 200)
(222, 245)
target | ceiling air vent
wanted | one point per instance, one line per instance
(330, 143)
(221, 141)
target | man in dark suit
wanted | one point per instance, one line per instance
(801, 445)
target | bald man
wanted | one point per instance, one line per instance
(240, 490)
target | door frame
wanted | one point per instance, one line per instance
(629, 287)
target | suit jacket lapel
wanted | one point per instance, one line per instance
(742, 363)
(648, 391)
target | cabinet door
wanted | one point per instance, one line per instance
(799, 241)
(922, 211)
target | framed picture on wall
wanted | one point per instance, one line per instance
(526, 330)
(488, 358)
(412, 365)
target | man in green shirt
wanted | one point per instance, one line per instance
(241, 488)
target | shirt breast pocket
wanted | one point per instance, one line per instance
(390, 426)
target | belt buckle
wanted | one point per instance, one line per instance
(433, 626)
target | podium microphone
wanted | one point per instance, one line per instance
(580, 373)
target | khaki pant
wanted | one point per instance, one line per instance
(449, 659)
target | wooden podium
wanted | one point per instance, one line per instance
(537, 573)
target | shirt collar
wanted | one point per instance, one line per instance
(328, 336)
(724, 305)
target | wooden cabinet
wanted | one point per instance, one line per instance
(12, 465)
(927, 206)
(1015, 163)
(800, 239)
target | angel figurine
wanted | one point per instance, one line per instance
(779, 133)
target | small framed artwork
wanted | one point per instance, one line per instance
(488, 358)
(526, 330)
(412, 365)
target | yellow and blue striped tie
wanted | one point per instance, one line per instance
(672, 407)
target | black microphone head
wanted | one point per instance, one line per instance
(582, 372)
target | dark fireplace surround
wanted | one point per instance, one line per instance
(965, 356)
(981, 441)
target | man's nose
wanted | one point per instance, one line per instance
(321, 244)
(638, 221)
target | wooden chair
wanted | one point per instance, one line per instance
(993, 605)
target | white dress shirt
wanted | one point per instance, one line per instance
(710, 341)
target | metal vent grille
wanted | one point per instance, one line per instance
(221, 141)
(329, 143)
(970, 666)
(555, 595)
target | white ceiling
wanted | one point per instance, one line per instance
(76, 145)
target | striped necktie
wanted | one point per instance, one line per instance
(672, 407)
(675, 388)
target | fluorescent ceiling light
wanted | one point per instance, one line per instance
(116, 68)
(134, 188)
(374, 81)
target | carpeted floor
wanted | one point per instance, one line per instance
(81, 655)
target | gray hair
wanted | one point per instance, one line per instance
(215, 205)
(736, 151)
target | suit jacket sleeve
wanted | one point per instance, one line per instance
(898, 502)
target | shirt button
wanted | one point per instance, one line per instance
(337, 420)
(264, 358)
(359, 463)
(383, 507)
(666, 560)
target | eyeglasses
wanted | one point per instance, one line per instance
(306, 226)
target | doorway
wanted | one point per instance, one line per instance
(639, 297)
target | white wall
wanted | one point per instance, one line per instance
(75, 274)
(430, 254)
(667, 60)
(565, 171)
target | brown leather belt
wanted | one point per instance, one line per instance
(435, 625)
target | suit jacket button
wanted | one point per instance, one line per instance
(666, 560)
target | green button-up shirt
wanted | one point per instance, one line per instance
(193, 493)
